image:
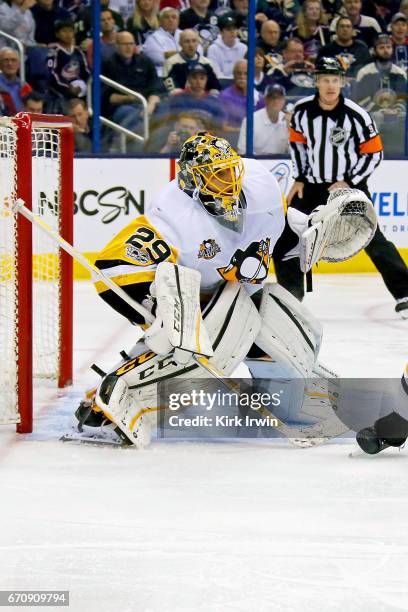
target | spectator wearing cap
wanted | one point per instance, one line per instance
(366, 28)
(234, 100)
(198, 14)
(12, 90)
(163, 42)
(195, 98)
(352, 53)
(17, 20)
(176, 67)
(381, 89)
(46, 13)
(226, 50)
(399, 30)
(271, 125)
(69, 71)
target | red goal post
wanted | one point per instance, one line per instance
(36, 277)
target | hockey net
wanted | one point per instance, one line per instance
(36, 158)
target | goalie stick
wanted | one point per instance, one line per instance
(301, 437)
(37, 220)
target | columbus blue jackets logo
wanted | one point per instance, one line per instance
(71, 70)
(208, 249)
(338, 136)
(249, 266)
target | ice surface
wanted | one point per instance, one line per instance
(211, 527)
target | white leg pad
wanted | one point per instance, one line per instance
(289, 334)
(119, 407)
(128, 395)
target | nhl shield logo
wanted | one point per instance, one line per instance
(338, 136)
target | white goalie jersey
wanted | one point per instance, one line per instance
(178, 229)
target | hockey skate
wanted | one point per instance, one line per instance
(89, 415)
(391, 430)
(94, 427)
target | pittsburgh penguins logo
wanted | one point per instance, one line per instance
(338, 136)
(249, 266)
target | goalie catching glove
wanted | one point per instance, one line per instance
(338, 230)
(179, 324)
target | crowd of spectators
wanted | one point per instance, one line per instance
(188, 59)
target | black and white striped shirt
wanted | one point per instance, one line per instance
(342, 144)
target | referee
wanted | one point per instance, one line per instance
(334, 143)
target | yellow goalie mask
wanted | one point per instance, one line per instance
(211, 172)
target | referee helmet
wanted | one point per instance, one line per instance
(329, 65)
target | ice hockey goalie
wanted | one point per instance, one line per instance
(199, 260)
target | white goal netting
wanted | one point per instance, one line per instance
(46, 262)
(46, 177)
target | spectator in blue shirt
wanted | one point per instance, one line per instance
(234, 101)
(12, 90)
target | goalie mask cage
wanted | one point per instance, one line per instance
(36, 284)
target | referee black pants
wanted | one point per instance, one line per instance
(381, 251)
